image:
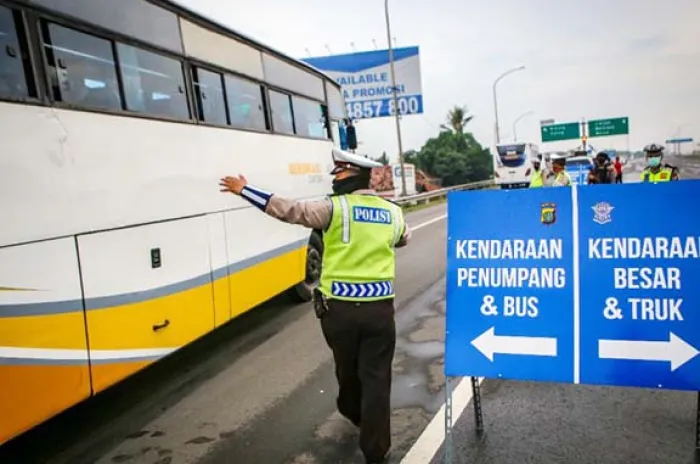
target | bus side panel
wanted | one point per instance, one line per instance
(216, 226)
(43, 348)
(267, 257)
(148, 292)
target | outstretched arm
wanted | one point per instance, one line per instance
(311, 214)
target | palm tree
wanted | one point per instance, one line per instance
(457, 119)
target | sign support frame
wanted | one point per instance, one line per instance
(447, 455)
(697, 429)
(478, 415)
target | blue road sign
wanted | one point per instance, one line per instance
(685, 140)
(640, 315)
(509, 291)
(608, 296)
(365, 79)
(578, 169)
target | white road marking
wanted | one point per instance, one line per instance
(427, 223)
(429, 442)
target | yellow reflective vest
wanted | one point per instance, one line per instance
(563, 179)
(358, 248)
(665, 174)
(536, 179)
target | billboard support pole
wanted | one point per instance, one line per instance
(396, 98)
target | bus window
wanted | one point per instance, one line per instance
(309, 118)
(153, 84)
(280, 104)
(210, 96)
(245, 104)
(15, 68)
(83, 70)
(512, 156)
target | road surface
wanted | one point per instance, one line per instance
(262, 390)
(547, 423)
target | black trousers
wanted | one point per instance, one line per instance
(362, 337)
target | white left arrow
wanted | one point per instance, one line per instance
(488, 343)
(676, 350)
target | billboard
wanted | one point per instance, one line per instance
(365, 79)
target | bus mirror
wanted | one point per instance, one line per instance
(352, 137)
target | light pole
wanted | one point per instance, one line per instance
(515, 134)
(396, 98)
(495, 102)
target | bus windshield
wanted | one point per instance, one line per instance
(512, 156)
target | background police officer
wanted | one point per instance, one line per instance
(655, 171)
(559, 177)
(355, 299)
(537, 179)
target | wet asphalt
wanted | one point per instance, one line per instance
(547, 423)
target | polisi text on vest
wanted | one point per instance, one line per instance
(375, 215)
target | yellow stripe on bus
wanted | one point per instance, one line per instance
(34, 390)
(66, 330)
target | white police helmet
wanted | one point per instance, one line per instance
(345, 160)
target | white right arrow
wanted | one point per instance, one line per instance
(676, 350)
(488, 343)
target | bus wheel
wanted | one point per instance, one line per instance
(303, 291)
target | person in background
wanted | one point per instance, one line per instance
(559, 177)
(603, 171)
(655, 171)
(355, 297)
(537, 179)
(618, 169)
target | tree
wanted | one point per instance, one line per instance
(457, 119)
(454, 156)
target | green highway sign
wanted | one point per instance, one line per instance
(556, 132)
(607, 127)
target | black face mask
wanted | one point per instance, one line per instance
(350, 184)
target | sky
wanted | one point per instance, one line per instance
(591, 59)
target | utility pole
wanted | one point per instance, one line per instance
(495, 101)
(396, 98)
(515, 123)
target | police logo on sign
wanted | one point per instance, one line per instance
(549, 213)
(602, 212)
(373, 215)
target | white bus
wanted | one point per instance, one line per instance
(513, 164)
(117, 120)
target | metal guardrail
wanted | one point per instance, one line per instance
(428, 196)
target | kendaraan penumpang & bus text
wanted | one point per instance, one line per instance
(536, 276)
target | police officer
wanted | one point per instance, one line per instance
(537, 179)
(355, 298)
(654, 171)
(559, 177)
(603, 171)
